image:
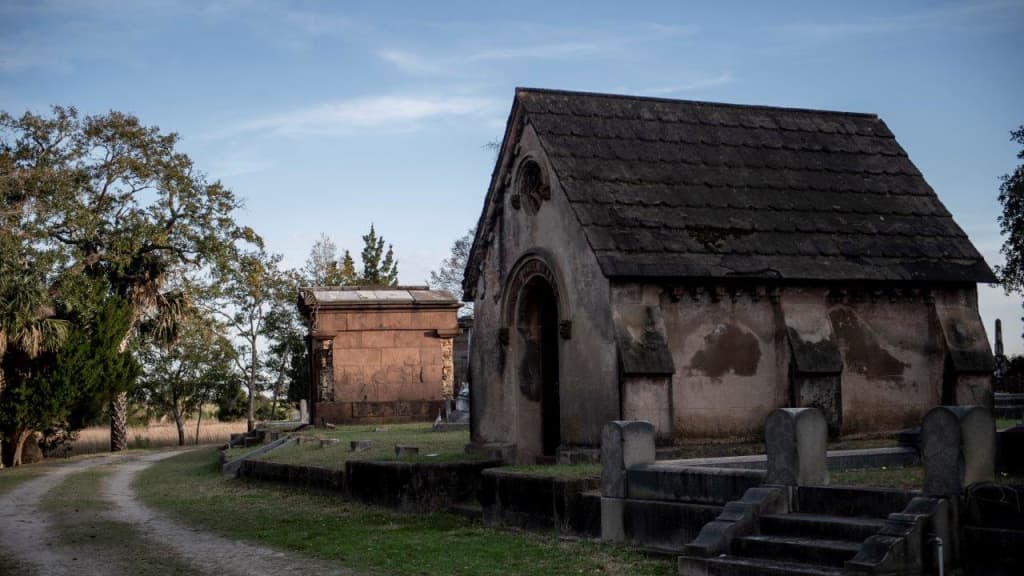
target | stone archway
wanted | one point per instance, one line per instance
(532, 316)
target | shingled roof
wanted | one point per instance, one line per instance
(676, 188)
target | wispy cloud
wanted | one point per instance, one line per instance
(541, 52)
(414, 64)
(691, 86)
(345, 116)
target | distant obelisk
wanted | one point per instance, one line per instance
(999, 337)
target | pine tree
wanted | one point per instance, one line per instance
(375, 271)
(347, 274)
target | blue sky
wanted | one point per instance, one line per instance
(326, 116)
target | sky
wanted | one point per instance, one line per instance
(325, 117)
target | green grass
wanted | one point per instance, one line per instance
(447, 446)
(562, 471)
(13, 567)
(1002, 423)
(906, 478)
(369, 539)
(78, 511)
(11, 478)
(79, 492)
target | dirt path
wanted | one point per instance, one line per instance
(29, 535)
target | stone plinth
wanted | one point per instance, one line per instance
(624, 444)
(958, 448)
(795, 442)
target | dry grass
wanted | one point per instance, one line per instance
(97, 438)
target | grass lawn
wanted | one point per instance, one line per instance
(369, 539)
(11, 478)
(562, 471)
(434, 446)
(77, 508)
(908, 478)
(1003, 423)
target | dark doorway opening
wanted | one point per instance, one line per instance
(538, 324)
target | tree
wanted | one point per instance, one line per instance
(347, 275)
(182, 375)
(1011, 222)
(242, 295)
(51, 386)
(379, 268)
(287, 358)
(118, 203)
(450, 273)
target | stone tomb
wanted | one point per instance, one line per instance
(698, 265)
(379, 354)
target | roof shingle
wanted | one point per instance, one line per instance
(675, 188)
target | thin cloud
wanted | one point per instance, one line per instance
(692, 86)
(542, 52)
(345, 116)
(412, 63)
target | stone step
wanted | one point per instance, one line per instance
(820, 526)
(795, 548)
(729, 565)
(852, 501)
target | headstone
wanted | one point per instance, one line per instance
(360, 445)
(795, 441)
(406, 450)
(958, 445)
(624, 444)
(303, 411)
(325, 442)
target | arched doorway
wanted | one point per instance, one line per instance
(536, 322)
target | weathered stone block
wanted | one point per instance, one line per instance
(957, 448)
(360, 445)
(795, 441)
(406, 450)
(624, 443)
(327, 442)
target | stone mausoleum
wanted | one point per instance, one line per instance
(698, 265)
(379, 354)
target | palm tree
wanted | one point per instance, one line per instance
(27, 329)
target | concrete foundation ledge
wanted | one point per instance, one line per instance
(305, 476)
(414, 486)
(535, 501)
(835, 459)
(703, 485)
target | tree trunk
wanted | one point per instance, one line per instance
(251, 423)
(179, 422)
(119, 422)
(198, 420)
(1, 400)
(19, 444)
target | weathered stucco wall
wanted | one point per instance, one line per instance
(741, 351)
(730, 367)
(387, 364)
(588, 379)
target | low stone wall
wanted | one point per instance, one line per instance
(306, 476)
(523, 500)
(414, 486)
